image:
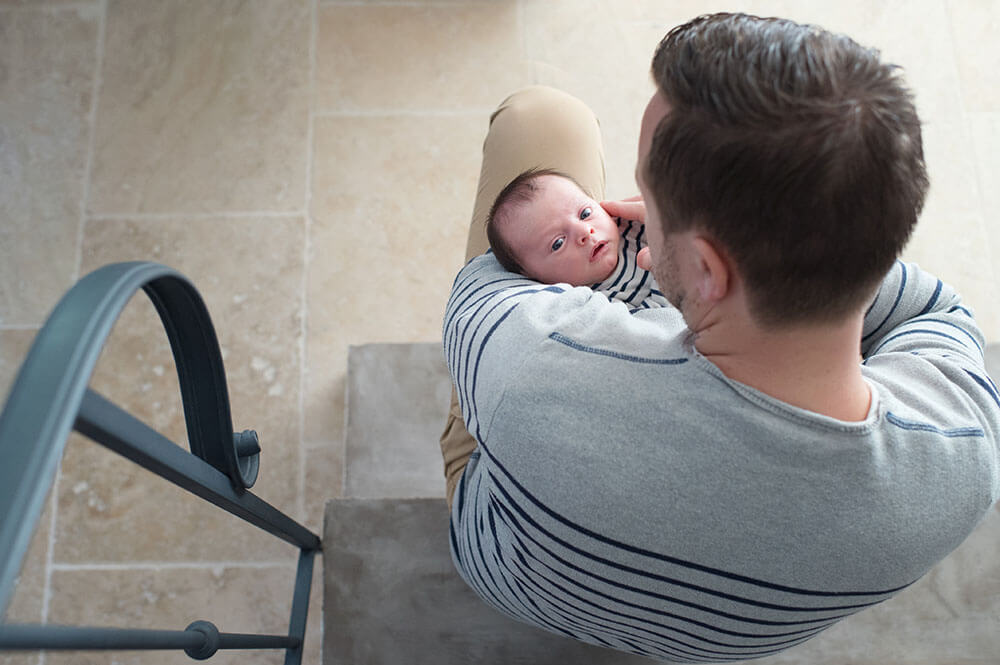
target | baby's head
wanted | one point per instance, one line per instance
(544, 226)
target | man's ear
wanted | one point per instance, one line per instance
(715, 272)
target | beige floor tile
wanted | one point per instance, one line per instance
(204, 107)
(112, 511)
(250, 272)
(985, 130)
(604, 62)
(975, 24)
(47, 60)
(390, 57)
(952, 239)
(950, 154)
(235, 599)
(392, 199)
(21, 658)
(663, 14)
(14, 346)
(957, 251)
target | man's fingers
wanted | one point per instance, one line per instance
(643, 259)
(626, 209)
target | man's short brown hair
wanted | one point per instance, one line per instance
(798, 150)
(519, 191)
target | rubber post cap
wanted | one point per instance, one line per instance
(211, 645)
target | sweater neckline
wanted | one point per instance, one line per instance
(788, 411)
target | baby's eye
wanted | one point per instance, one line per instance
(557, 243)
(585, 213)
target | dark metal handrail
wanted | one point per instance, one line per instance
(51, 396)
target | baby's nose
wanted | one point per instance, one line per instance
(585, 236)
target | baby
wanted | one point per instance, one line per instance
(544, 226)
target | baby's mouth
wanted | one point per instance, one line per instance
(598, 248)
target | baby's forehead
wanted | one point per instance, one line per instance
(543, 197)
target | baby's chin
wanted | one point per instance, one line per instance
(610, 272)
(597, 279)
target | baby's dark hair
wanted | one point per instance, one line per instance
(518, 192)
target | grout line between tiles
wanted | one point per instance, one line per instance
(169, 565)
(168, 216)
(306, 249)
(395, 113)
(95, 92)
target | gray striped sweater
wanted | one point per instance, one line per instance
(628, 494)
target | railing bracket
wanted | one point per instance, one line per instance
(247, 446)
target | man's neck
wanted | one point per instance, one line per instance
(815, 367)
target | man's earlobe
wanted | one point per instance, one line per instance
(714, 278)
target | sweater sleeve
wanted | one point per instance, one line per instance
(477, 316)
(917, 312)
(495, 320)
(919, 331)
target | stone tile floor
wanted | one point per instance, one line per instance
(282, 155)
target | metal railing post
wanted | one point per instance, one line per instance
(51, 396)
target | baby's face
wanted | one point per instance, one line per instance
(563, 235)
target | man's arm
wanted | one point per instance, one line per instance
(919, 333)
(496, 320)
(917, 312)
(483, 298)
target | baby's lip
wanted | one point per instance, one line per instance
(598, 248)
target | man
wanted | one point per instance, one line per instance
(723, 480)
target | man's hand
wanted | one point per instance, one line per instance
(631, 208)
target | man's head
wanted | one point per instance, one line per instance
(795, 151)
(544, 226)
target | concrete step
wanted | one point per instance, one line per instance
(397, 401)
(392, 597)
